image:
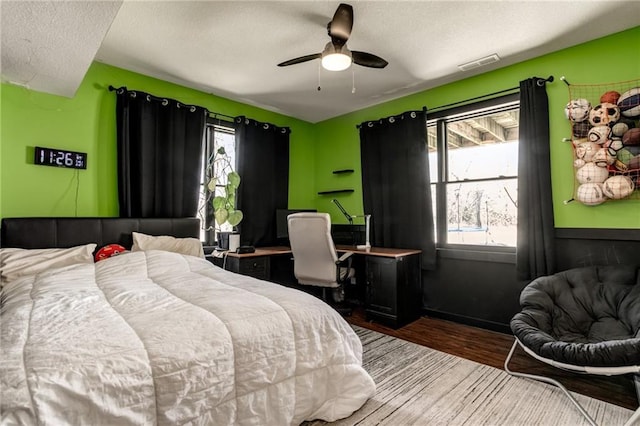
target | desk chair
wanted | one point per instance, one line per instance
(315, 259)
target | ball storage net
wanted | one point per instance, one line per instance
(605, 134)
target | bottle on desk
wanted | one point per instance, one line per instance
(367, 225)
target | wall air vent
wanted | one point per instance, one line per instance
(479, 62)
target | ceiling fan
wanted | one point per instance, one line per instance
(336, 56)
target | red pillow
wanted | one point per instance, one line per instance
(108, 251)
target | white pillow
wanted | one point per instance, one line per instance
(16, 262)
(188, 246)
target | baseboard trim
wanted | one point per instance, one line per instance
(474, 322)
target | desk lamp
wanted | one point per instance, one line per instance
(367, 224)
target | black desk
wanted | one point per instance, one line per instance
(388, 280)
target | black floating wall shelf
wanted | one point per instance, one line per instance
(337, 191)
(337, 172)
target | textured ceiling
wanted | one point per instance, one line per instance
(49, 46)
(231, 48)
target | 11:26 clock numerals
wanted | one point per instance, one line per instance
(60, 158)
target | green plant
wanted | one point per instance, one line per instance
(224, 186)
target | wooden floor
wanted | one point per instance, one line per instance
(491, 348)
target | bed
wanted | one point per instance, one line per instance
(157, 336)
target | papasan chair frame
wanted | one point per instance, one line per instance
(584, 320)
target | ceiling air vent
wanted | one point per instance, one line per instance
(479, 62)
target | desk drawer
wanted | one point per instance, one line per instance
(257, 267)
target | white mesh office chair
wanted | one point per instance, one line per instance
(315, 259)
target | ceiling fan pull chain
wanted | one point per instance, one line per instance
(319, 69)
(353, 81)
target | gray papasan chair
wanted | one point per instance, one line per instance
(584, 320)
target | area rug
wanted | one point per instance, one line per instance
(417, 385)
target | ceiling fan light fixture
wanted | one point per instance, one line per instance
(336, 58)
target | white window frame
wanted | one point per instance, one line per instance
(214, 129)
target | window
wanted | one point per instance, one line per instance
(473, 160)
(218, 134)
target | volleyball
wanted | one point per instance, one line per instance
(629, 103)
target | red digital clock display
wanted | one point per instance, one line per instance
(60, 158)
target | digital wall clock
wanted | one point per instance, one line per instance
(60, 158)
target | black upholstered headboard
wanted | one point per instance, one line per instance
(63, 232)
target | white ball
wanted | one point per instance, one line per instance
(586, 151)
(577, 110)
(599, 134)
(613, 146)
(619, 129)
(618, 187)
(590, 194)
(604, 114)
(578, 141)
(590, 173)
(602, 158)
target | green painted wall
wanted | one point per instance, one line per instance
(87, 123)
(607, 60)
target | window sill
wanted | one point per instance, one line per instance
(479, 254)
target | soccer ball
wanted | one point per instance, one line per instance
(604, 114)
(613, 146)
(618, 187)
(599, 134)
(577, 110)
(586, 151)
(590, 194)
(590, 173)
(602, 158)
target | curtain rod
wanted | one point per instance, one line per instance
(210, 113)
(219, 114)
(358, 126)
(540, 82)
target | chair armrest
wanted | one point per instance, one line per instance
(341, 260)
(344, 257)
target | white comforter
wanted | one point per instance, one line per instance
(160, 338)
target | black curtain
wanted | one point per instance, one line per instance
(395, 183)
(535, 247)
(263, 165)
(159, 155)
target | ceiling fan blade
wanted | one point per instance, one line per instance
(368, 60)
(300, 60)
(342, 23)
